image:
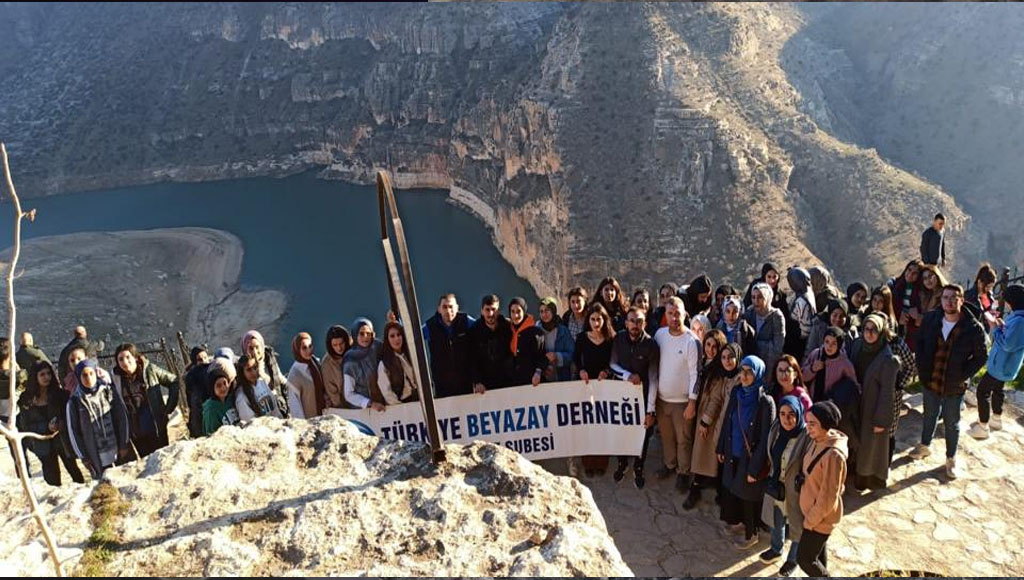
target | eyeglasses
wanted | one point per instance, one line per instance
(787, 370)
(870, 329)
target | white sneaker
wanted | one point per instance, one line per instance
(978, 431)
(970, 398)
(996, 423)
(951, 469)
(920, 451)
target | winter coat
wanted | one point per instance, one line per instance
(1004, 360)
(217, 413)
(490, 361)
(746, 338)
(564, 344)
(197, 390)
(967, 356)
(770, 340)
(529, 357)
(933, 246)
(29, 355)
(714, 396)
(36, 419)
(736, 470)
(878, 389)
(640, 357)
(450, 355)
(821, 496)
(301, 391)
(787, 476)
(154, 414)
(97, 424)
(334, 381)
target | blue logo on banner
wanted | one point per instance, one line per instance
(363, 427)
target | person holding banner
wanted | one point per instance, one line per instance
(635, 358)
(490, 361)
(593, 357)
(676, 405)
(446, 335)
(527, 345)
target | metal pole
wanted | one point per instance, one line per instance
(408, 311)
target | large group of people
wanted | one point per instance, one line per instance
(769, 398)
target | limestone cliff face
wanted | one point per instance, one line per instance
(646, 141)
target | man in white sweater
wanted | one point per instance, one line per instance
(677, 392)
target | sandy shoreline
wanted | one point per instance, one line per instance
(139, 286)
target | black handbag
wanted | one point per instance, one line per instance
(776, 490)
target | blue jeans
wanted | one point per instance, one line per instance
(779, 536)
(949, 406)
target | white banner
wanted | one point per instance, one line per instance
(551, 420)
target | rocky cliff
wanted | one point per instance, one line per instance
(320, 499)
(650, 141)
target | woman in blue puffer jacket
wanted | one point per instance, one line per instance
(1004, 362)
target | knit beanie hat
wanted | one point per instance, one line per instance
(827, 414)
(550, 303)
(520, 301)
(1014, 296)
(220, 367)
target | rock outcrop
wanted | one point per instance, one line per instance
(649, 141)
(139, 285)
(319, 498)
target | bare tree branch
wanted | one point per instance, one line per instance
(10, 431)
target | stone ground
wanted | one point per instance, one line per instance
(968, 527)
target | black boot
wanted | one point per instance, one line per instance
(638, 478)
(620, 471)
(693, 499)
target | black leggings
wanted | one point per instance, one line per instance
(736, 510)
(638, 462)
(811, 554)
(51, 468)
(989, 387)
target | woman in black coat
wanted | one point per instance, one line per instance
(41, 410)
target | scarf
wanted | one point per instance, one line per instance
(526, 323)
(314, 371)
(337, 331)
(249, 337)
(746, 403)
(800, 281)
(552, 305)
(868, 352)
(786, 436)
(361, 361)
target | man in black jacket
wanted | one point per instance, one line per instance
(447, 338)
(635, 358)
(933, 242)
(950, 350)
(489, 338)
(80, 340)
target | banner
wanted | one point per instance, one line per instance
(550, 420)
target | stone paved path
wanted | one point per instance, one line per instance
(973, 526)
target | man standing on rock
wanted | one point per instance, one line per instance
(950, 350)
(933, 242)
(447, 336)
(490, 361)
(80, 340)
(635, 359)
(28, 354)
(677, 392)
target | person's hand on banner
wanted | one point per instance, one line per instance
(635, 379)
(536, 378)
(649, 421)
(602, 376)
(584, 377)
(479, 389)
(379, 407)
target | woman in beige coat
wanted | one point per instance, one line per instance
(719, 380)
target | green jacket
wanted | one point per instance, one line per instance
(217, 413)
(154, 378)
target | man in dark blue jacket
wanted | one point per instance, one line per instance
(933, 242)
(447, 338)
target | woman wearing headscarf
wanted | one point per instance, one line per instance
(736, 329)
(787, 442)
(836, 314)
(801, 312)
(395, 376)
(337, 343)
(527, 345)
(307, 397)
(270, 370)
(721, 293)
(743, 451)
(823, 287)
(698, 298)
(769, 325)
(361, 365)
(700, 325)
(719, 380)
(97, 421)
(41, 410)
(877, 370)
(857, 302)
(196, 389)
(826, 366)
(821, 494)
(770, 276)
(558, 343)
(219, 409)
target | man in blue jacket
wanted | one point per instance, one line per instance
(1004, 362)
